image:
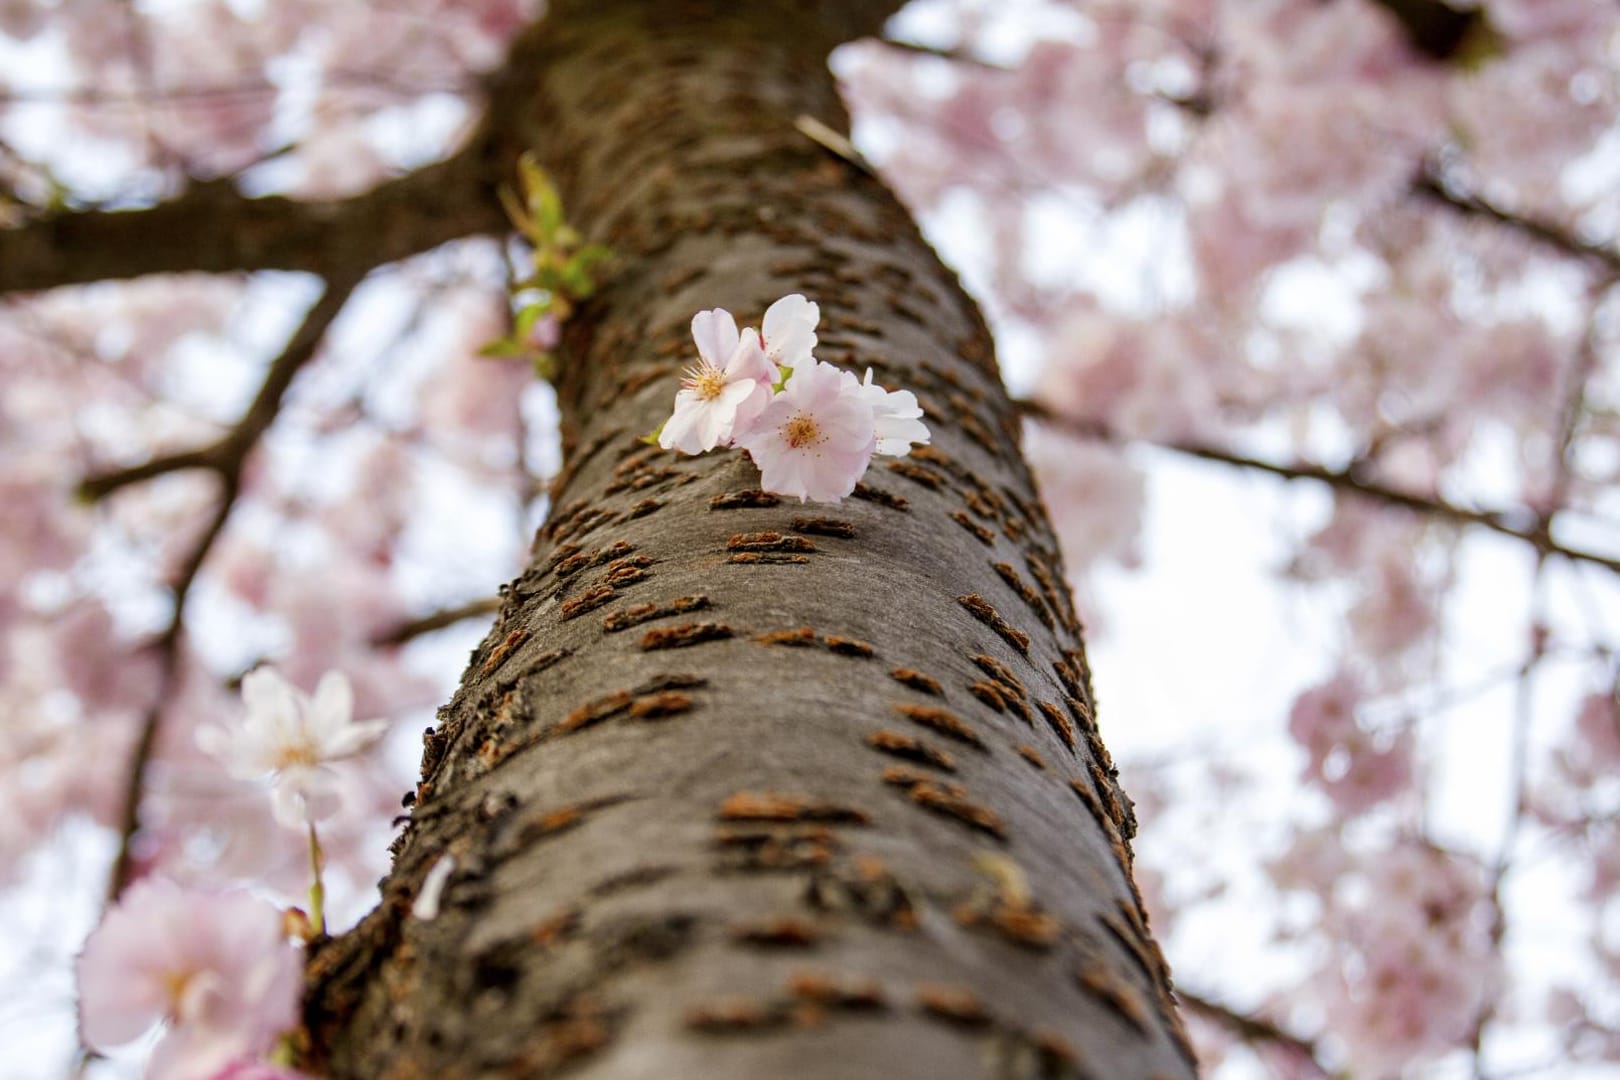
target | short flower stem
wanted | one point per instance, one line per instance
(317, 889)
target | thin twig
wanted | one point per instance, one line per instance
(1571, 411)
(168, 646)
(1431, 185)
(438, 620)
(955, 56)
(1253, 1030)
(1521, 524)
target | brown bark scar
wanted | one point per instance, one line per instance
(981, 609)
(676, 637)
(503, 650)
(915, 679)
(943, 721)
(779, 806)
(956, 1004)
(911, 748)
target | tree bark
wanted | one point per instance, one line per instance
(738, 787)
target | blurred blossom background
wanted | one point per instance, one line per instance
(1313, 308)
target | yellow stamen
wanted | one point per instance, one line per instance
(708, 380)
(802, 431)
(297, 754)
(174, 987)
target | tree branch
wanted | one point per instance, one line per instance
(213, 228)
(1429, 184)
(228, 455)
(1436, 28)
(955, 56)
(1525, 525)
(438, 620)
(1253, 1030)
(227, 458)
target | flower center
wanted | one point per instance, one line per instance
(296, 753)
(707, 380)
(174, 988)
(801, 431)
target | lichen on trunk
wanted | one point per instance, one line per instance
(738, 787)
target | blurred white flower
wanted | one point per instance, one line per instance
(293, 738)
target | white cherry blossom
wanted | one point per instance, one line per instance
(724, 391)
(788, 333)
(293, 737)
(896, 416)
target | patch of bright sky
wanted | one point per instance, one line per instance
(1005, 30)
(1319, 298)
(61, 902)
(96, 170)
(457, 533)
(1135, 259)
(217, 376)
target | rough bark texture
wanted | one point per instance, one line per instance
(738, 787)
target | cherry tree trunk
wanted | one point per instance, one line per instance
(739, 787)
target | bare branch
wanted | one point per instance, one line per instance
(213, 228)
(1436, 28)
(1253, 1030)
(1431, 185)
(1532, 528)
(438, 620)
(955, 56)
(227, 458)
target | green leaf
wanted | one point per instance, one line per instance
(652, 440)
(529, 314)
(515, 213)
(502, 349)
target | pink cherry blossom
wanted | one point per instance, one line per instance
(1096, 496)
(1592, 752)
(724, 391)
(1413, 956)
(815, 438)
(1356, 768)
(295, 738)
(215, 966)
(1324, 716)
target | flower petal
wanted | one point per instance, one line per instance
(790, 329)
(715, 333)
(333, 704)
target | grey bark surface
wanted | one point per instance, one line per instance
(738, 787)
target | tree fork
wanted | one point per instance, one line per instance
(738, 787)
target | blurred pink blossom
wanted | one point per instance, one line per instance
(215, 967)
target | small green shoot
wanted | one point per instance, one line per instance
(564, 269)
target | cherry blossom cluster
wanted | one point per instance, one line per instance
(1408, 960)
(218, 967)
(811, 428)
